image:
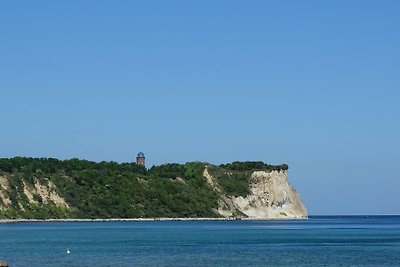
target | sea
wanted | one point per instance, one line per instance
(318, 241)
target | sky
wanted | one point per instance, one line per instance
(314, 84)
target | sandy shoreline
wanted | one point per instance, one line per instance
(10, 221)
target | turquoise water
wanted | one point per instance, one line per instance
(319, 241)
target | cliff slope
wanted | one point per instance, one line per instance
(270, 196)
(50, 188)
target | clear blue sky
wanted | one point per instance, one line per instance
(315, 84)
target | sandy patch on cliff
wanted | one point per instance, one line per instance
(28, 193)
(3, 189)
(179, 179)
(49, 193)
(4, 181)
(210, 180)
(46, 193)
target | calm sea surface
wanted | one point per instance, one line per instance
(319, 241)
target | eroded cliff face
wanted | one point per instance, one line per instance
(270, 197)
(41, 192)
(4, 198)
(170, 191)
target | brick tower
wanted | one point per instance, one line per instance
(140, 159)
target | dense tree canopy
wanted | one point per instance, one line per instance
(253, 165)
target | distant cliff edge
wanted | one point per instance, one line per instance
(270, 197)
(43, 188)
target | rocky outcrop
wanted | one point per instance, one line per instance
(3, 264)
(270, 197)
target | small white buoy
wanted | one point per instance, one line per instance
(68, 252)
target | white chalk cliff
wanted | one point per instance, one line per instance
(271, 197)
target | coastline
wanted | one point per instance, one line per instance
(12, 221)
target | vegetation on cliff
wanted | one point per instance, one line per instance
(38, 187)
(253, 165)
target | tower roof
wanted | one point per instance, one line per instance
(140, 155)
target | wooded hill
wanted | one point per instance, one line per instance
(50, 188)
